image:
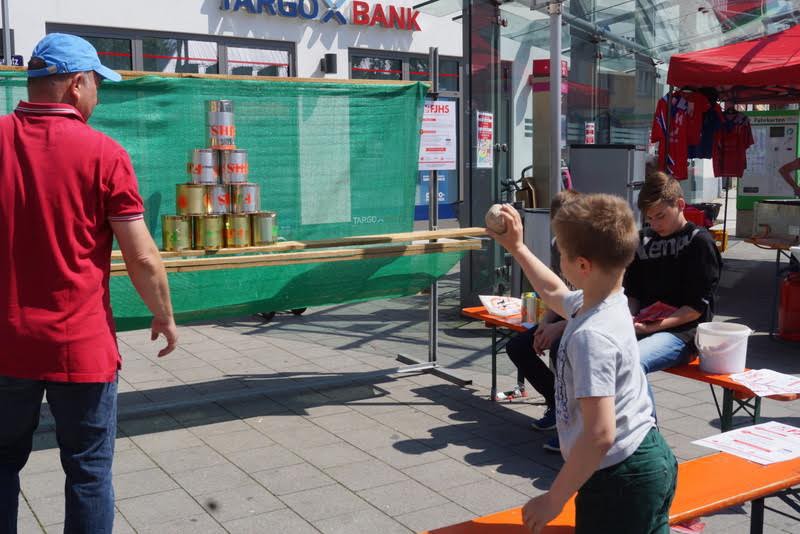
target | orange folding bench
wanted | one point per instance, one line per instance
(732, 393)
(705, 485)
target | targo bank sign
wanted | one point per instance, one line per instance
(361, 14)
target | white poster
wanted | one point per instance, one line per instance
(485, 133)
(765, 444)
(437, 147)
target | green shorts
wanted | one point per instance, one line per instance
(633, 496)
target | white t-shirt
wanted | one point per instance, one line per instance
(599, 357)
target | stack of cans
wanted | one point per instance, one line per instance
(218, 207)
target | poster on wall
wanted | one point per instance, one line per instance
(775, 144)
(437, 147)
(485, 144)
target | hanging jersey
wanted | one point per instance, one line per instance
(712, 121)
(730, 145)
(697, 106)
(673, 149)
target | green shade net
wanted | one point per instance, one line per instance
(332, 159)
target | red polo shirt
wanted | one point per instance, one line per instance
(61, 182)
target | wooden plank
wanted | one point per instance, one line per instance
(284, 246)
(294, 258)
(130, 74)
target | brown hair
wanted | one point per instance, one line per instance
(561, 198)
(659, 187)
(597, 227)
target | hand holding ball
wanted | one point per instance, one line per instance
(494, 219)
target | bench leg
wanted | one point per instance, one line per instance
(726, 422)
(494, 363)
(757, 517)
(757, 410)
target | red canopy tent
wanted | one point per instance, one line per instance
(763, 70)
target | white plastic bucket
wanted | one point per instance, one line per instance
(722, 346)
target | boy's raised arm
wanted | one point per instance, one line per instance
(549, 286)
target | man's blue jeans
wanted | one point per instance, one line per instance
(86, 424)
(660, 351)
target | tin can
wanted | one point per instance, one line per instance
(208, 232)
(234, 166)
(540, 308)
(221, 129)
(528, 307)
(245, 198)
(237, 230)
(265, 228)
(190, 199)
(176, 232)
(217, 199)
(203, 166)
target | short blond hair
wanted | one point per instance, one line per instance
(561, 198)
(598, 227)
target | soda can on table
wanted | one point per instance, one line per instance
(528, 307)
(190, 199)
(265, 228)
(237, 230)
(235, 168)
(221, 127)
(176, 232)
(209, 232)
(203, 166)
(245, 198)
(217, 199)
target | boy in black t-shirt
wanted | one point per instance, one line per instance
(678, 265)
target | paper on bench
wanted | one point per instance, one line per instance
(766, 382)
(767, 443)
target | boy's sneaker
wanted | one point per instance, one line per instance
(547, 422)
(552, 445)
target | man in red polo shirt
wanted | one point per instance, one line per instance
(65, 191)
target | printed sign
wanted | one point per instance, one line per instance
(485, 140)
(437, 147)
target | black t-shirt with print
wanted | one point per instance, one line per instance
(681, 269)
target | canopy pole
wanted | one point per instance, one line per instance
(555, 9)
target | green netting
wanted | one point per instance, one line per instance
(333, 160)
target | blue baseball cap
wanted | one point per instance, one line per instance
(64, 53)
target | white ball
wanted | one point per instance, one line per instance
(494, 220)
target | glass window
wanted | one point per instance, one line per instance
(258, 62)
(448, 75)
(179, 55)
(418, 69)
(377, 68)
(114, 53)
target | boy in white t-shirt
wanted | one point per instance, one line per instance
(623, 471)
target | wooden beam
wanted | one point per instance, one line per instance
(285, 246)
(131, 74)
(316, 256)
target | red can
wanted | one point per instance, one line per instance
(789, 310)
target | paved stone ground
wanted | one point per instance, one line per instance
(301, 425)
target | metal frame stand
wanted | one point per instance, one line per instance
(432, 366)
(750, 406)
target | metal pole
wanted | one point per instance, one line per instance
(554, 9)
(431, 366)
(433, 218)
(6, 35)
